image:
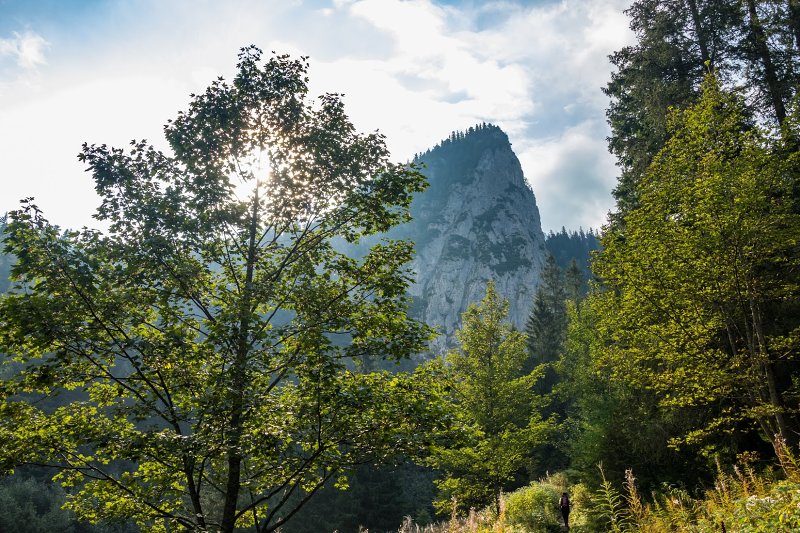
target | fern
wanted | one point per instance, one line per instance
(609, 506)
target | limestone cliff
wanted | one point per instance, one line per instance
(477, 221)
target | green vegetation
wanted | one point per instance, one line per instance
(5, 261)
(679, 371)
(700, 307)
(209, 342)
(463, 148)
(493, 397)
(751, 44)
(576, 246)
(210, 363)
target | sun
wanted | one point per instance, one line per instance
(250, 172)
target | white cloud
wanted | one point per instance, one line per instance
(414, 69)
(27, 49)
(397, 17)
(560, 132)
(436, 74)
(572, 175)
(537, 72)
(563, 46)
(42, 138)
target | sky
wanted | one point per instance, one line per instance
(109, 71)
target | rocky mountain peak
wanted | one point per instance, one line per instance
(477, 221)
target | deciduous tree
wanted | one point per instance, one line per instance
(703, 284)
(206, 332)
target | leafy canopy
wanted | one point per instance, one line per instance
(204, 339)
(703, 281)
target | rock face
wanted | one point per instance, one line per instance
(477, 221)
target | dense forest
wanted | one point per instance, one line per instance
(680, 366)
(567, 246)
(214, 364)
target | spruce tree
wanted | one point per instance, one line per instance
(493, 396)
(547, 323)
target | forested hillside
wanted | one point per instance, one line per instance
(566, 246)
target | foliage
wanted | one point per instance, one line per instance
(209, 339)
(495, 401)
(700, 306)
(32, 505)
(573, 246)
(29, 507)
(530, 509)
(752, 46)
(535, 507)
(546, 330)
(613, 421)
(377, 499)
(772, 507)
(547, 323)
(6, 261)
(741, 500)
(688, 344)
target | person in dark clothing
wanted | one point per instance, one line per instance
(565, 508)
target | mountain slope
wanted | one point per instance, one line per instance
(477, 221)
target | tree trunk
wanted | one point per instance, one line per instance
(775, 399)
(698, 30)
(762, 49)
(776, 402)
(238, 384)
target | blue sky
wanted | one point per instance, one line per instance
(115, 70)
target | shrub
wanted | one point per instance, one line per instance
(534, 507)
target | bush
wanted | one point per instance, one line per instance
(744, 501)
(534, 507)
(775, 509)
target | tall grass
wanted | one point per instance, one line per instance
(743, 500)
(531, 509)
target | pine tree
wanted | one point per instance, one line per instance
(574, 282)
(751, 45)
(547, 323)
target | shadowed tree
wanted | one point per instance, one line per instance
(751, 45)
(547, 323)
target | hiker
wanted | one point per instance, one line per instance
(564, 504)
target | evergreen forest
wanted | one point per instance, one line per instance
(215, 362)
